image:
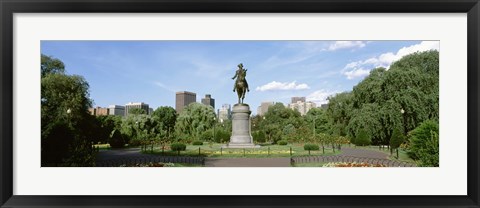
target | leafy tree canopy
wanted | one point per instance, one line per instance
(50, 65)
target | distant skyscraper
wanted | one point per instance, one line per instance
(150, 111)
(324, 106)
(296, 99)
(224, 113)
(130, 106)
(184, 98)
(263, 108)
(302, 107)
(117, 110)
(208, 100)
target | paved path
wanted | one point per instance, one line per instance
(362, 153)
(112, 154)
(247, 162)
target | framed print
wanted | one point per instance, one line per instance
(246, 104)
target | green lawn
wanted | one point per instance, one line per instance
(187, 165)
(217, 151)
(101, 146)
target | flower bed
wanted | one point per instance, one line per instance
(351, 164)
(157, 164)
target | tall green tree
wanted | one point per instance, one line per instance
(366, 119)
(319, 118)
(339, 111)
(396, 140)
(105, 125)
(65, 122)
(50, 65)
(142, 130)
(166, 116)
(193, 120)
(137, 111)
(401, 97)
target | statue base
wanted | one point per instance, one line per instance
(241, 128)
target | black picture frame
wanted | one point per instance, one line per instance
(9, 7)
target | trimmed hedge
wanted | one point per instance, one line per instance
(197, 143)
(282, 142)
(311, 147)
(178, 147)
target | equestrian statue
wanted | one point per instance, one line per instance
(241, 85)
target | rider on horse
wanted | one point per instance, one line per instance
(241, 85)
(240, 74)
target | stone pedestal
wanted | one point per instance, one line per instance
(241, 127)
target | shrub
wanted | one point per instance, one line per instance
(424, 144)
(259, 136)
(352, 140)
(197, 142)
(363, 138)
(282, 142)
(310, 147)
(222, 136)
(207, 135)
(397, 139)
(178, 147)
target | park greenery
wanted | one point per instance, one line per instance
(396, 107)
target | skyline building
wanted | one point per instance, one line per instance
(141, 105)
(224, 113)
(183, 98)
(208, 100)
(117, 110)
(98, 111)
(302, 107)
(296, 99)
(263, 108)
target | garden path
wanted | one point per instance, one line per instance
(363, 153)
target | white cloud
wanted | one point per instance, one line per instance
(356, 73)
(282, 86)
(320, 96)
(346, 44)
(356, 69)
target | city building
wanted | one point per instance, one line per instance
(296, 99)
(302, 107)
(98, 111)
(150, 111)
(324, 106)
(208, 100)
(184, 98)
(263, 108)
(224, 113)
(130, 106)
(117, 110)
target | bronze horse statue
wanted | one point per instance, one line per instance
(241, 85)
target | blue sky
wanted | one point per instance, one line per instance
(152, 71)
